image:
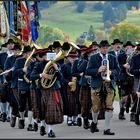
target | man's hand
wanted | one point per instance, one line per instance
(102, 69)
(55, 66)
(127, 66)
(46, 76)
(25, 69)
(81, 74)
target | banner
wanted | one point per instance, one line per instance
(34, 20)
(4, 25)
(25, 22)
(11, 19)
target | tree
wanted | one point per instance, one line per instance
(100, 35)
(81, 7)
(49, 34)
(131, 4)
(98, 6)
(108, 12)
(125, 32)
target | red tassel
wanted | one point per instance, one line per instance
(56, 98)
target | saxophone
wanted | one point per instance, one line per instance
(49, 69)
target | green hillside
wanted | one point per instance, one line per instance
(63, 15)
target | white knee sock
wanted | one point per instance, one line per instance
(43, 123)
(108, 116)
(30, 116)
(35, 120)
(95, 116)
(22, 115)
(50, 127)
(3, 105)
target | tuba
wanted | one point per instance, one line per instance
(105, 75)
(49, 69)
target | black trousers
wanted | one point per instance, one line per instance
(24, 99)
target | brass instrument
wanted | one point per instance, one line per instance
(49, 69)
(73, 86)
(105, 75)
(129, 57)
(29, 59)
(88, 79)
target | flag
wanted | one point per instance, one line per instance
(11, 19)
(4, 25)
(25, 22)
(34, 21)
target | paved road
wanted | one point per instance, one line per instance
(123, 129)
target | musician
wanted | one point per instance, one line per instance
(6, 98)
(3, 56)
(52, 105)
(23, 87)
(84, 82)
(117, 49)
(126, 81)
(35, 91)
(13, 93)
(57, 47)
(70, 104)
(135, 70)
(102, 91)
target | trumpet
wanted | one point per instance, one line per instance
(106, 75)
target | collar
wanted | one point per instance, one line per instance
(10, 54)
(104, 56)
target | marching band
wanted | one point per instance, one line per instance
(32, 85)
(78, 81)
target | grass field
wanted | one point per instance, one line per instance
(62, 15)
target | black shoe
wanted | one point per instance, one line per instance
(132, 117)
(74, 123)
(21, 124)
(51, 134)
(4, 117)
(30, 128)
(108, 132)
(13, 121)
(137, 121)
(79, 121)
(8, 119)
(121, 114)
(86, 124)
(121, 117)
(35, 127)
(42, 131)
(69, 123)
(93, 127)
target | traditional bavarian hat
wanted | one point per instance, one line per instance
(10, 41)
(138, 47)
(104, 43)
(72, 54)
(17, 46)
(65, 46)
(41, 52)
(116, 41)
(56, 44)
(90, 49)
(128, 43)
(26, 49)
